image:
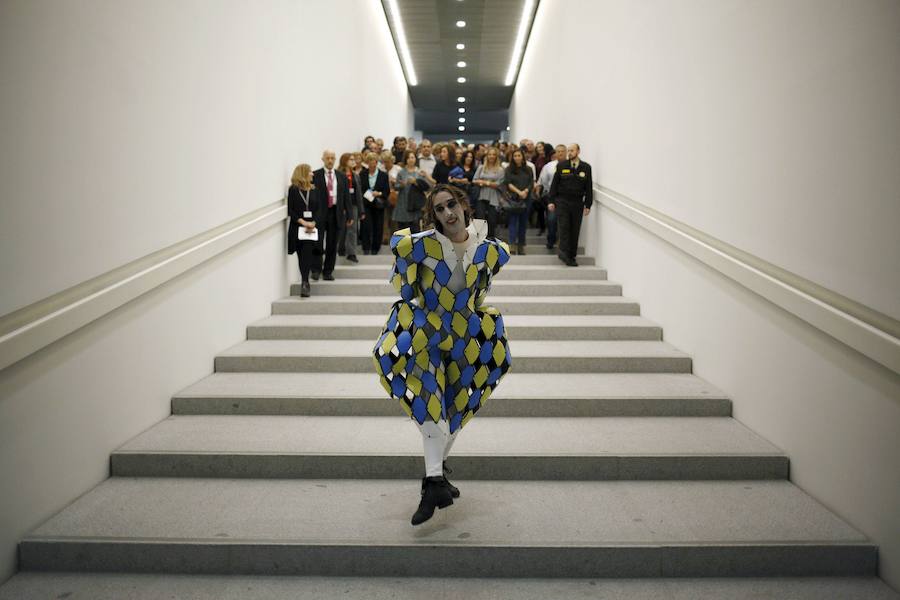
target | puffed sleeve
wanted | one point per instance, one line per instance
(493, 253)
(403, 275)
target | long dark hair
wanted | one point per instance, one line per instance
(458, 195)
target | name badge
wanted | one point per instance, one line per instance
(307, 214)
(566, 171)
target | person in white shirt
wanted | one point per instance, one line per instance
(543, 188)
(426, 159)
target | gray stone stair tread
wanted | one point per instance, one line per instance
(491, 513)
(492, 299)
(522, 349)
(511, 321)
(510, 267)
(497, 285)
(514, 386)
(118, 586)
(501, 436)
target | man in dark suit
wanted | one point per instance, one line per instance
(334, 214)
(571, 195)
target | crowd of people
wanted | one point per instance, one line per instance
(367, 195)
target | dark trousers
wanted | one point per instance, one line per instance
(551, 228)
(329, 231)
(485, 211)
(538, 208)
(413, 226)
(305, 258)
(569, 212)
(373, 227)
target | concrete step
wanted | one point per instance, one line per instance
(510, 272)
(386, 258)
(503, 448)
(518, 327)
(355, 356)
(509, 305)
(533, 246)
(146, 586)
(536, 529)
(500, 287)
(519, 395)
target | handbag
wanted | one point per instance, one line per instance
(392, 198)
(514, 204)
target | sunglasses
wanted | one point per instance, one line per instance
(451, 204)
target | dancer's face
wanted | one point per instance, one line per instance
(449, 213)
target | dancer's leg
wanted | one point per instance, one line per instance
(435, 438)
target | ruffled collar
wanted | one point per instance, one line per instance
(477, 228)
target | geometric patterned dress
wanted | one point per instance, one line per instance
(442, 354)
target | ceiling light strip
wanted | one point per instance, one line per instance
(403, 49)
(519, 47)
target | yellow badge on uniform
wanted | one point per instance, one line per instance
(581, 174)
(566, 171)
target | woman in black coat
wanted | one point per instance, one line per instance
(302, 206)
(376, 181)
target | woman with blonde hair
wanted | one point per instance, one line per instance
(302, 207)
(488, 178)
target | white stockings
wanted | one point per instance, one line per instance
(437, 440)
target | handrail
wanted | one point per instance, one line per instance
(870, 332)
(27, 330)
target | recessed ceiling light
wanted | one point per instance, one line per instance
(462, 110)
(405, 57)
(461, 128)
(461, 64)
(462, 119)
(460, 79)
(519, 46)
(460, 23)
(460, 46)
(461, 99)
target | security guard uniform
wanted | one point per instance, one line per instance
(572, 191)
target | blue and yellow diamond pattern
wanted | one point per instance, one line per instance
(442, 354)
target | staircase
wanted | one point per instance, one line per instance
(600, 458)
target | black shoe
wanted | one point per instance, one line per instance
(435, 494)
(352, 258)
(561, 257)
(328, 277)
(304, 289)
(315, 275)
(570, 262)
(454, 491)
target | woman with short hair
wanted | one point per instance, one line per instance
(375, 189)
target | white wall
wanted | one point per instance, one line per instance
(774, 127)
(128, 126)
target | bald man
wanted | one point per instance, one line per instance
(334, 214)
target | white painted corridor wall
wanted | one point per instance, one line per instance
(773, 127)
(129, 126)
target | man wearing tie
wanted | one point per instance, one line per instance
(334, 215)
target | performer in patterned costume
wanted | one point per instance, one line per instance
(442, 351)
